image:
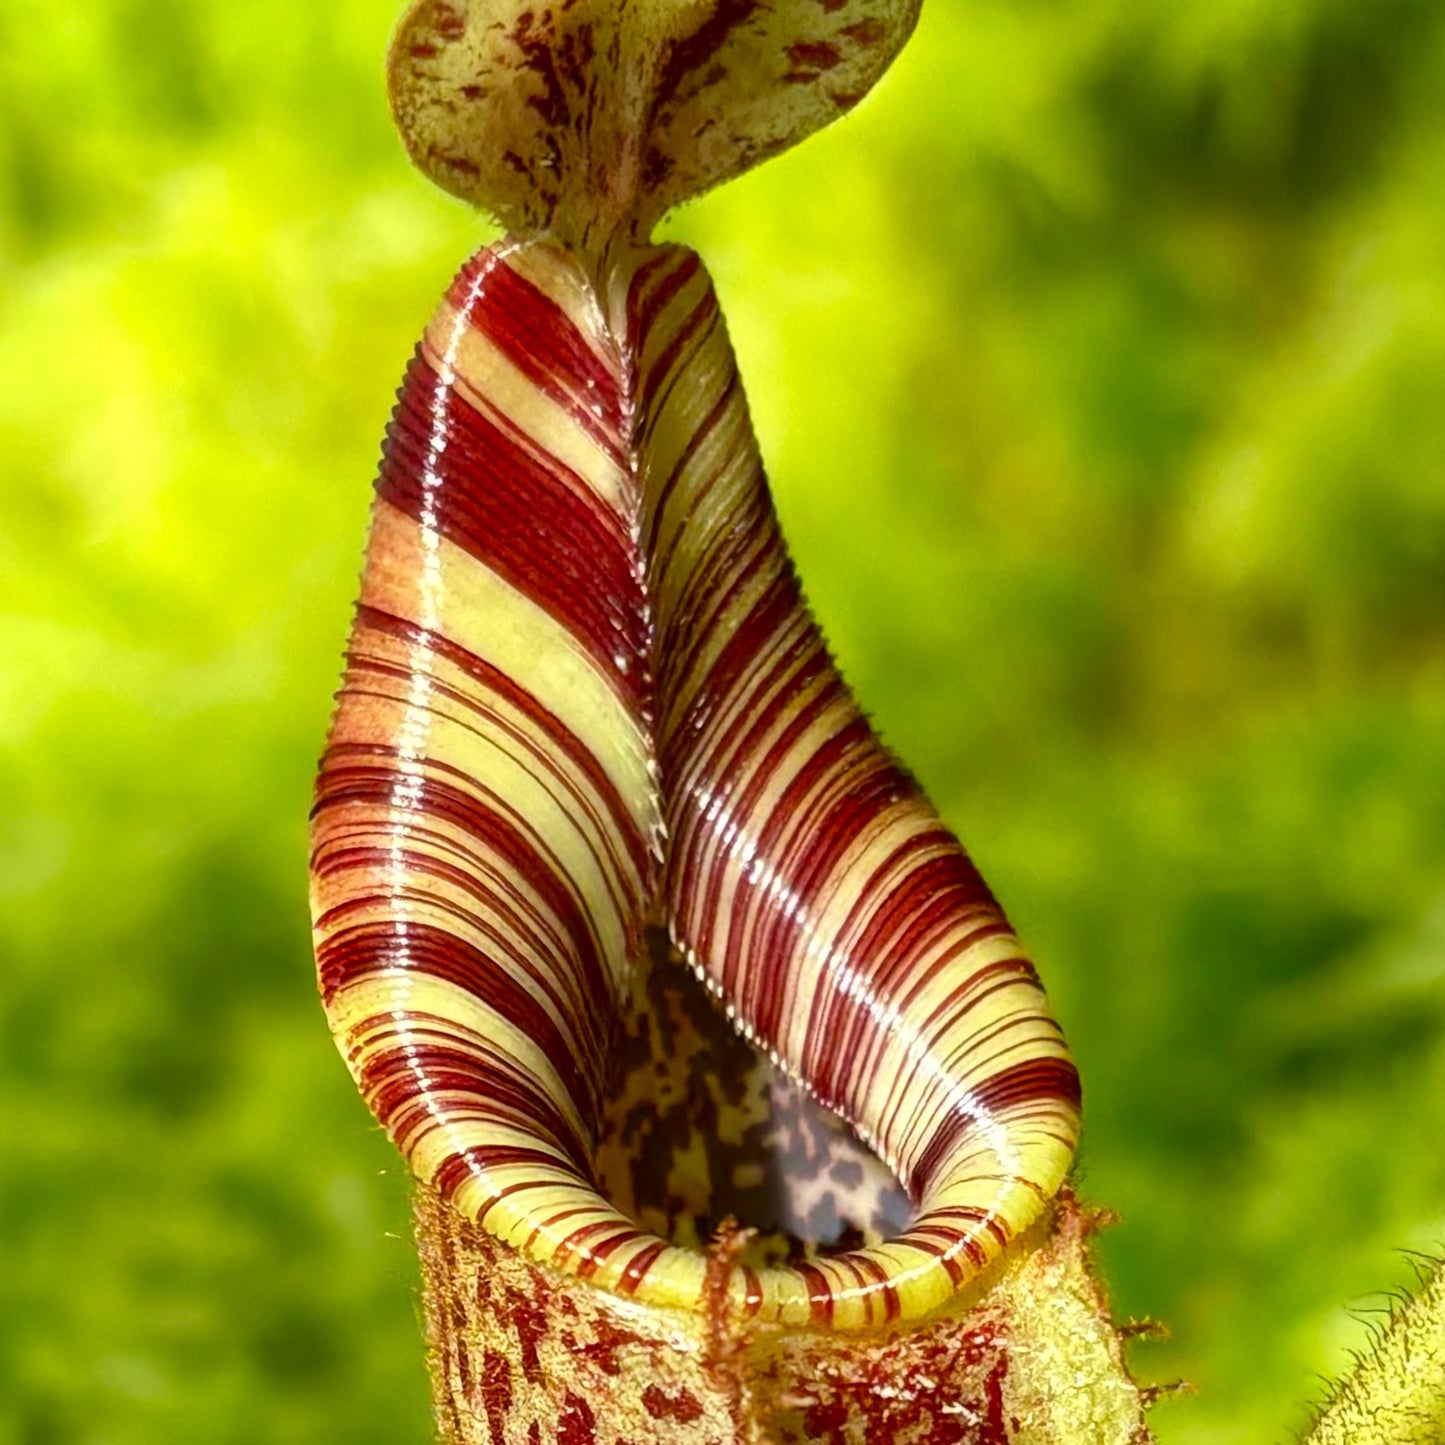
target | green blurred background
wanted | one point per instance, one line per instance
(1100, 362)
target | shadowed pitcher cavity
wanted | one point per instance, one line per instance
(582, 691)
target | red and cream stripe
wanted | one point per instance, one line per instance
(810, 883)
(485, 822)
(579, 628)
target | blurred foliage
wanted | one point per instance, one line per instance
(1099, 359)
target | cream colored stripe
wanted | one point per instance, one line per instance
(378, 893)
(464, 738)
(712, 831)
(501, 724)
(866, 871)
(487, 616)
(698, 379)
(481, 372)
(744, 595)
(556, 274)
(717, 484)
(668, 323)
(430, 901)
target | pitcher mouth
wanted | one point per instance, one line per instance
(701, 1130)
(700, 1127)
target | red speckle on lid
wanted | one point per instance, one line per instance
(867, 33)
(816, 54)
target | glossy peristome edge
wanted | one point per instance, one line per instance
(583, 690)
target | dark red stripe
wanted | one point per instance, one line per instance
(733, 559)
(653, 288)
(852, 786)
(697, 750)
(705, 902)
(545, 972)
(500, 838)
(511, 692)
(909, 917)
(542, 341)
(820, 1292)
(1034, 1079)
(480, 1159)
(555, 781)
(638, 1266)
(593, 1256)
(522, 514)
(922, 907)
(402, 1082)
(439, 954)
(673, 368)
(660, 563)
(977, 1055)
(756, 636)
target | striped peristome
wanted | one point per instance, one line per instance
(582, 691)
(808, 881)
(583, 697)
